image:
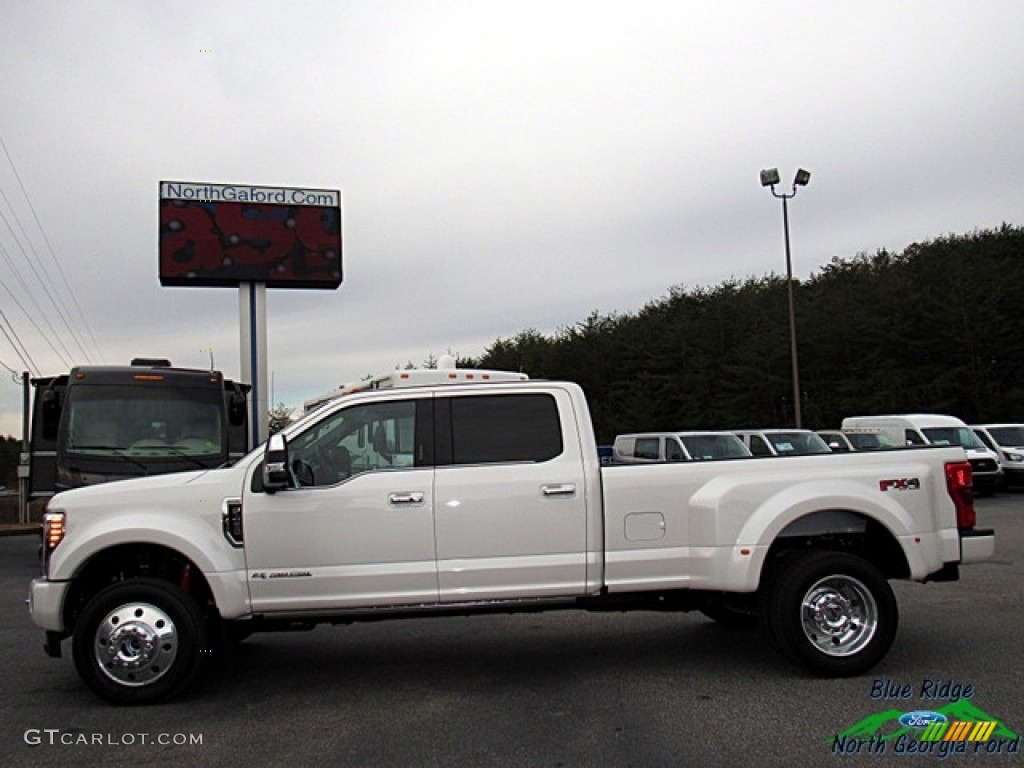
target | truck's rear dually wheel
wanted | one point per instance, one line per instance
(833, 612)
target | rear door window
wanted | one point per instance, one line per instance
(503, 428)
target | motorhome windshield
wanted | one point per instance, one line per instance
(143, 421)
(961, 436)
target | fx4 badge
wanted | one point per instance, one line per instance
(900, 484)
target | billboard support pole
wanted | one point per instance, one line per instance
(252, 308)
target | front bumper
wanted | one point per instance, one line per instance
(988, 481)
(46, 603)
(1013, 473)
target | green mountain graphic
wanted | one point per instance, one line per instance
(887, 724)
(873, 725)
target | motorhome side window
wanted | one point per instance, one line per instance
(363, 438)
(505, 428)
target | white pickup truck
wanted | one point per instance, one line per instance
(489, 497)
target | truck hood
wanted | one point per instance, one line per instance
(220, 482)
(981, 453)
(182, 511)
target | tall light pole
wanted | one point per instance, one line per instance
(769, 178)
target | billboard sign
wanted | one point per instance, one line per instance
(226, 234)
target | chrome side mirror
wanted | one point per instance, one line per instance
(275, 464)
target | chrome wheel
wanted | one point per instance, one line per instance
(833, 612)
(135, 644)
(839, 615)
(139, 641)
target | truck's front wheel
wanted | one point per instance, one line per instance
(833, 612)
(139, 641)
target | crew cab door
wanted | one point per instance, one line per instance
(355, 525)
(509, 502)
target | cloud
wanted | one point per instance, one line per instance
(504, 165)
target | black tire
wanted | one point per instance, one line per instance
(139, 641)
(832, 612)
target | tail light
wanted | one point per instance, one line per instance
(960, 484)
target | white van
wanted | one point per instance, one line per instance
(644, 447)
(916, 429)
(783, 442)
(841, 441)
(1007, 441)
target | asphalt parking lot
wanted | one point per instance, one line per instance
(559, 689)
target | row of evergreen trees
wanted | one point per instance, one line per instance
(937, 328)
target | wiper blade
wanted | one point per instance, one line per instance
(182, 454)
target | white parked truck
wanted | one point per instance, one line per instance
(489, 497)
(1007, 442)
(647, 447)
(915, 429)
(782, 442)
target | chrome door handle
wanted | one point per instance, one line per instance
(562, 489)
(407, 497)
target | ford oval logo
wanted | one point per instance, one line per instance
(921, 718)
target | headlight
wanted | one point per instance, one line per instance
(53, 534)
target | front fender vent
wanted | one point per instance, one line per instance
(231, 516)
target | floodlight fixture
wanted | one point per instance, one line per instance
(769, 177)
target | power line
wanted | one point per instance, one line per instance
(39, 310)
(19, 349)
(53, 257)
(14, 298)
(14, 374)
(44, 283)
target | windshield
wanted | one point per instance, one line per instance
(797, 443)
(1008, 437)
(706, 447)
(836, 441)
(144, 422)
(961, 436)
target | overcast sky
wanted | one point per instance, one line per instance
(503, 165)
